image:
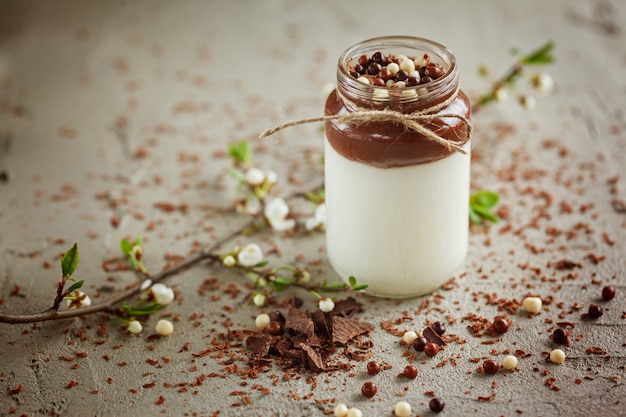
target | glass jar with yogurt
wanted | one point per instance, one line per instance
(397, 200)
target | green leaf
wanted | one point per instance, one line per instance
(140, 310)
(352, 281)
(69, 262)
(241, 152)
(543, 55)
(284, 280)
(283, 268)
(484, 198)
(486, 214)
(335, 285)
(360, 287)
(261, 264)
(75, 286)
(317, 197)
(126, 247)
(474, 217)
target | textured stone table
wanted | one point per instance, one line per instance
(114, 122)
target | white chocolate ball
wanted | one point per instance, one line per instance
(262, 320)
(341, 410)
(354, 412)
(532, 304)
(509, 362)
(409, 337)
(557, 356)
(402, 409)
(164, 327)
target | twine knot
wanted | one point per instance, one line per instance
(416, 121)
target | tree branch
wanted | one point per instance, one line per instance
(108, 306)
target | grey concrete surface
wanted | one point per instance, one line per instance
(107, 108)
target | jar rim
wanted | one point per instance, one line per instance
(398, 43)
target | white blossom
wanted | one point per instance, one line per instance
(527, 101)
(271, 177)
(134, 327)
(251, 205)
(500, 94)
(146, 284)
(304, 277)
(542, 82)
(162, 294)
(318, 220)
(250, 255)
(326, 305)
(254, 176)
(276, 212)
(78, 299)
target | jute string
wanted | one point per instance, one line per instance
(415, 121)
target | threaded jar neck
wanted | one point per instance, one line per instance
(407, 99)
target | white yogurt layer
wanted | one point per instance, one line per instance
(403, 231)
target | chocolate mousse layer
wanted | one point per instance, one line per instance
(390, 145)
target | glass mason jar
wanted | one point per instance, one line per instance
(397, 201)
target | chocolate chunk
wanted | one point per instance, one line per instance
(259, 345)
(299, 322)
(344, 329)
(293, 301)
(311, 359)
(277, 316)
(432, 336)
(321, 324)
(346, 308)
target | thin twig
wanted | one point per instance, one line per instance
(507, 78)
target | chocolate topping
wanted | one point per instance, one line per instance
(389, 145)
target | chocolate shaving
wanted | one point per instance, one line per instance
(321, 324)
(345, 329)
(311, 359)
(259, 345)
(567, 264)
(299, 322)
(432, 336)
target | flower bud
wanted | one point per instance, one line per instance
(134, 327)
(259, 300)
(326, 305)
(229, 261)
